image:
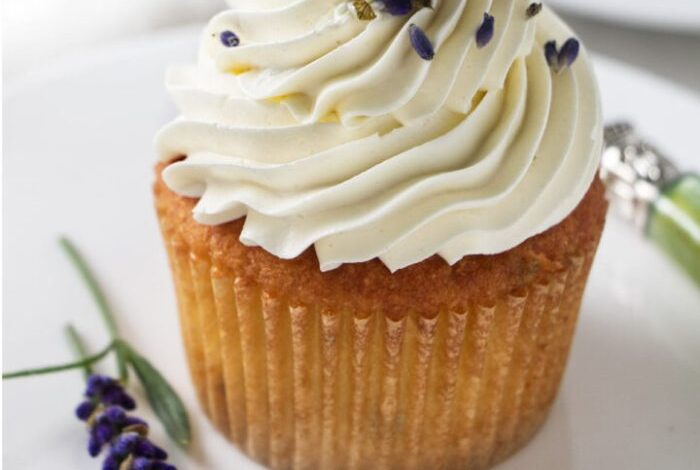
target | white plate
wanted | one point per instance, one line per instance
(668, 15)
(78, 160)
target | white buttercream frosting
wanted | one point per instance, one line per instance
(321, 129)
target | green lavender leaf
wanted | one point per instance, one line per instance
(163, 399)
(78, 346)
(97, 294)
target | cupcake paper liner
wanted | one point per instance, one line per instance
(304, 387)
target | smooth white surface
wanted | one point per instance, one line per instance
(630, 396)
(669, 15)
(35, 31)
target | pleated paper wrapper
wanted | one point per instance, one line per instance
(303, 387)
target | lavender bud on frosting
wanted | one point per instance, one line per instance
(229, 39)
(421, 43)
(551, 53)
(533, 10)
(569, 52)
(485, 32)
(363, 10)
(397, 7)
(559, 59)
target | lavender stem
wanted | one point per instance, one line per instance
(78, 346)
(71, 365)
(101, 301)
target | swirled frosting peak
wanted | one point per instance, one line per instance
(327, 130)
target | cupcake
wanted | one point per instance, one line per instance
(380, 219)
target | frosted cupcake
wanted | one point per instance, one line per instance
(380, 219)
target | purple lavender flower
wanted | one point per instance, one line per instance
(107, 391)
(485, 32)
(142, 452)
(551, 53)
(139, 446)
(559, 59)
(85, 410)
(421, 43)
(569, 52)
(229, 39)
(398, 7)
(141, 463)
(109, 425)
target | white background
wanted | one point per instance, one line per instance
(35, 31)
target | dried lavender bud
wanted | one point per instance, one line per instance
(114, 415)
(107, 391)
(145, 448)
(421, 43)
(533, 10)
(94, 447)
(485, 32)
(111, 462)
(229, 39)
(96, 384)
(123, 446)
(85, 410)
(364, 10)
(551, 54)
(137, 445)
(569, 52)
(100, 434)
(133, 446)
(141, 463)
(398, 7)
(560, 59)
(117, 396)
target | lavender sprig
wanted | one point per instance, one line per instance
(106, 402)
(104, 410)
